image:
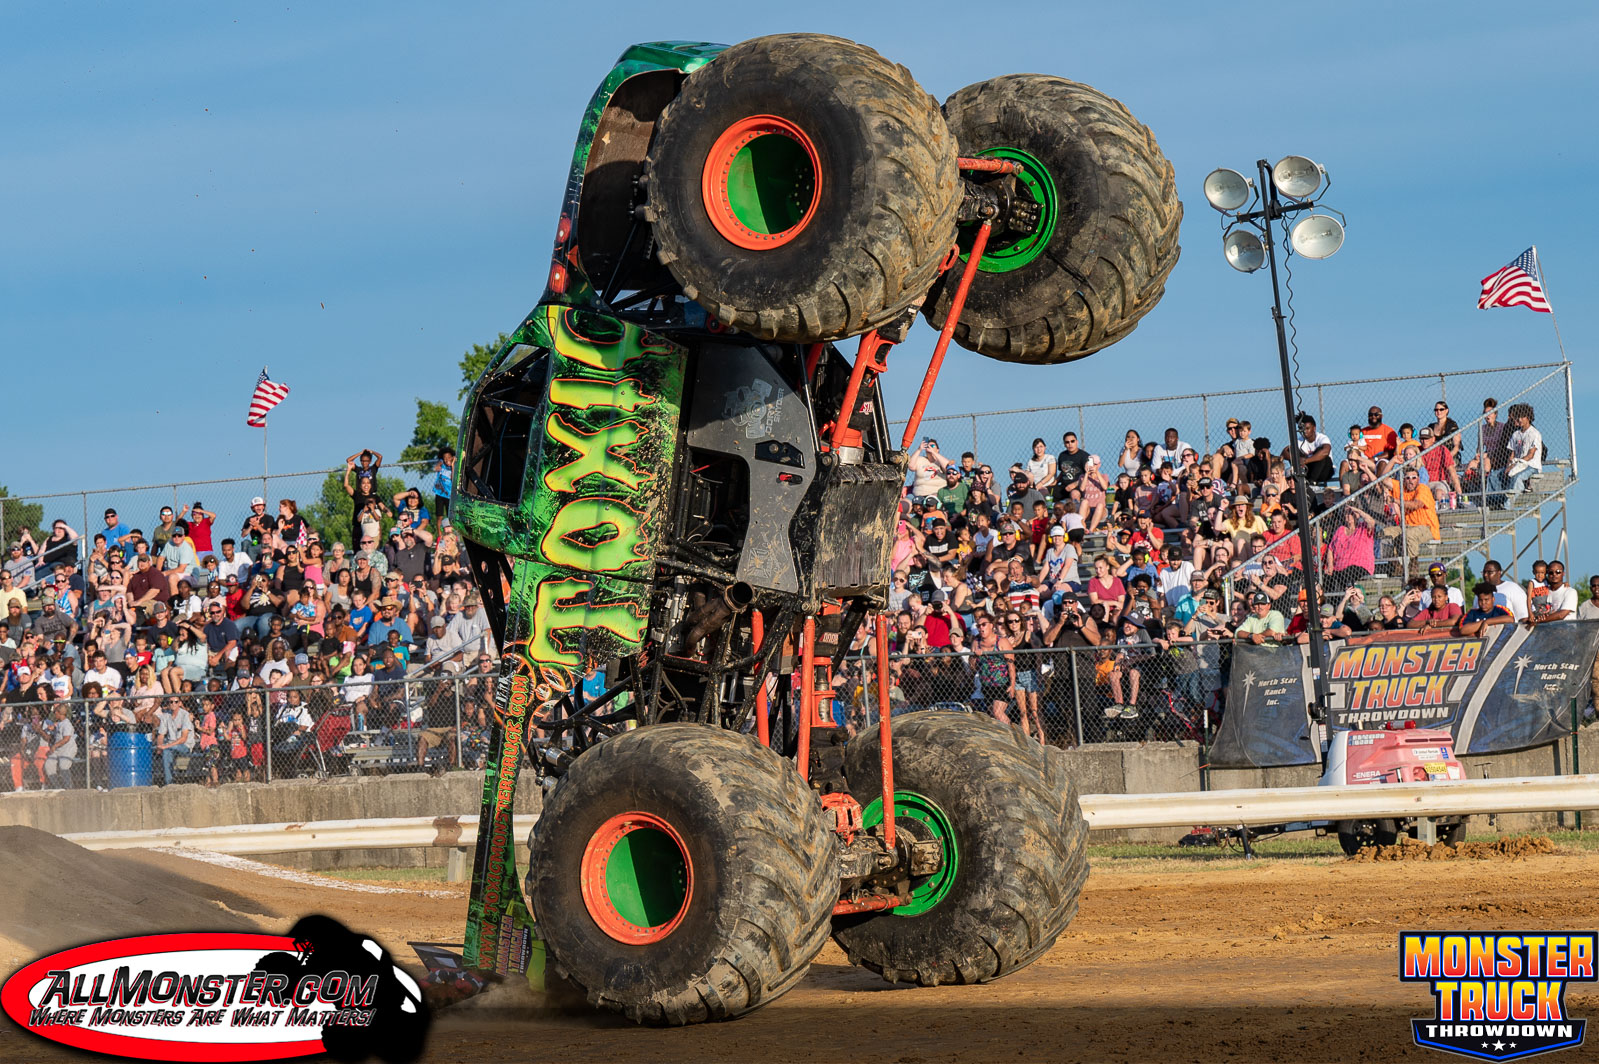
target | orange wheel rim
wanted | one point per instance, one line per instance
(762, 182)
(637, 879)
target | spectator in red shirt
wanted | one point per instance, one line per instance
(200, 520)
(1440, 614)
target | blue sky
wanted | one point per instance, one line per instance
(351, 194)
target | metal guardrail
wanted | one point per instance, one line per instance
(253, 839)
(1104, 812)
(1364, 801)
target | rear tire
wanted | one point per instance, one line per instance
(803, 188)
(1359, 834)
(1084, 281)
(680, 874)
(1020, 838)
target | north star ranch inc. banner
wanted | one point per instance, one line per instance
(1509, 690)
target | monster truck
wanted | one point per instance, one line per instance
(671, 473)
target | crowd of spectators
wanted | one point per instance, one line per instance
(1146, 561)
(229, 648)
(1142, 562)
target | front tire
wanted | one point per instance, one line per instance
(1019, 843)
(681, 874)
(1107, 235)
(803, 188)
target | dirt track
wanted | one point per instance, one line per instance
(1171, 961)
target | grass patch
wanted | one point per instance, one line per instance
(1155, 856)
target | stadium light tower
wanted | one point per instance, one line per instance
(1247, 245)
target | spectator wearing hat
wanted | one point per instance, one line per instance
(1145, 533)
(118, 535)
(470, 628)
(179, 561)
(1332, 626)
(374, 555)
(1420, 525)
(146, 586)
(388, 620)
(1438, 576)
(953, 495)
(258, 528)
(1264, 624)
(20, 562)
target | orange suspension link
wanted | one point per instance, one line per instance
(956, 305)
(885, 733)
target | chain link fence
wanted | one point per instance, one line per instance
(1002, 437)
(142, 736)
(261, 732)
(318, 496)
(1372, 541)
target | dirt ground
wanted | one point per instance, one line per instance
(1286, 958)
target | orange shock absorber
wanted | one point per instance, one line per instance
(813, 355)
(956, 305)
(885, 734)
(870, 358)
(807, 698)
(763, 727)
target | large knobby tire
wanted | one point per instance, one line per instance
(803, 188)
(680, 874)
(1020, 850)
(1107, 236)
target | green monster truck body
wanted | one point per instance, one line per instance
(670, 473)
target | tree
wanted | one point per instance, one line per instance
(331, 511)
(436, 428)
(18, 515)
(475, 361)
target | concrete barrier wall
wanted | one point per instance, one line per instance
(284, 802)
(1110, 768)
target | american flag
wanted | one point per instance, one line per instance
(268, 394)
(1518, 285)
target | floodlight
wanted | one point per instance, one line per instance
(1227, 190)
(1296, 177)
(1317, 236)
(1245, 253)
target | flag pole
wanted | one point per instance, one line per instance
(263, 457)
(1543, 279)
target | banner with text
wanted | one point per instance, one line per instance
(1508, 689)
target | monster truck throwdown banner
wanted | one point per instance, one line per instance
(1509, 690)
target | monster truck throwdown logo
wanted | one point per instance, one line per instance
(1500, 995)
(1400, 681)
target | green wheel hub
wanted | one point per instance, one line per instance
(770, 184)
(1012, 251)
(926, 891)
(646, 877)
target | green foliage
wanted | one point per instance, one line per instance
(20, 515)
(436, 428)
(475, 361)
(331, 511)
